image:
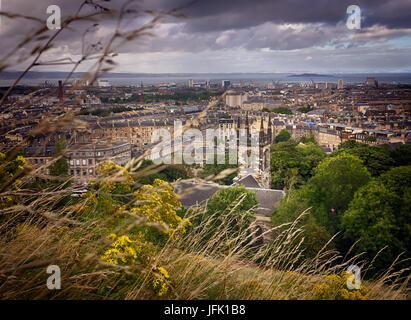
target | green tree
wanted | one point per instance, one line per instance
(310, 156)
(380, 215)
(284, 135)
(170, 173)
(233, 208)
(332, 187)
(401, 155)
(315, 238)
(281, 110)
(59, 167)
(224, 200)
(308, 139)
(376, 158)
(292, 164)
(327, 195)
(305, 109)
(290, 208)
(214, 169)
(351, 144)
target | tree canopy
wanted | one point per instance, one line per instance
(284, 135)
(377, 159)
(233, 208)
(401, 155)
(292, 164)
(380, 215)
(328, 192)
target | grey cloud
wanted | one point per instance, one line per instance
(217, 28)
(235, 14)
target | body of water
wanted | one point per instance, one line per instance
(235, 78)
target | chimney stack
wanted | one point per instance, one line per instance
(60, 91)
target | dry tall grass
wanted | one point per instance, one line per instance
(224, 267)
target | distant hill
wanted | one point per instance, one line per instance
(312, 75)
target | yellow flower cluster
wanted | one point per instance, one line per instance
(21, 159)
(124, 250)
(116, 177)
(158, 203)
(160, 281)
(8, 171)
(335, 287)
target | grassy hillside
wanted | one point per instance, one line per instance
(139, 246)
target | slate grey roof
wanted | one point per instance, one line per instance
(249, 182)
(326, 149)
(194, 194)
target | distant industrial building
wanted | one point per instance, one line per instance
(225, 83)
(371, 82)
(103, 83)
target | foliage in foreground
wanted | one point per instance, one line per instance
(110, 253)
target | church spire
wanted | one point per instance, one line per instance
(262, 133)
(270, 131)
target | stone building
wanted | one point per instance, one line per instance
(84, 158)
(235, 99)
(137, 133)
(327, 137)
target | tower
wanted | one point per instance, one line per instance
(260, 168)
(263, 175)
(60, 91)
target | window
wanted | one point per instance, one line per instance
(77, 162)
(90, 161)
(84, 162)
(72, 172)
(90, 171)
(71, 162)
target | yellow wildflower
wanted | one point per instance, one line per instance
(335, 287)
(124, 250)
(160, 281)
(21, 159)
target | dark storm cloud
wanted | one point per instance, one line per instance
(244, 27)
(212, 15)
(218, 15)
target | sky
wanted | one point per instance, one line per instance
(227, 36)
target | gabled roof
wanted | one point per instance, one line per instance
(194, 194)
(249, 182)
